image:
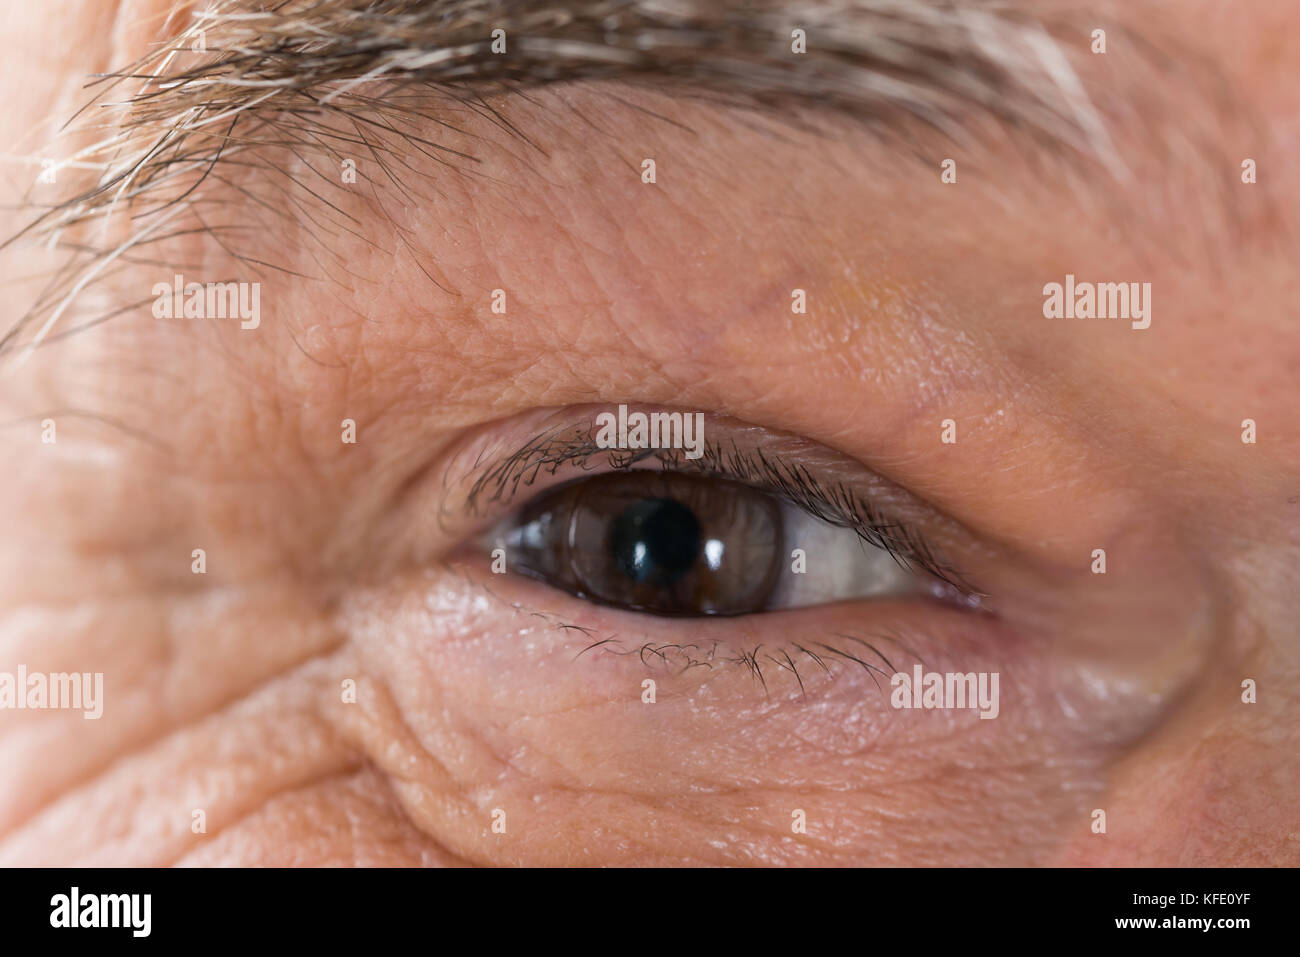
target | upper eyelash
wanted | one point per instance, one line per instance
(834, 503)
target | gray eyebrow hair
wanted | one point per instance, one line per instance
(186, 112)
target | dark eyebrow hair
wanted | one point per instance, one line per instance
(241, 74)
(932, 58)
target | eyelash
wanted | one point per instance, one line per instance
(836, 503)
(695, 655)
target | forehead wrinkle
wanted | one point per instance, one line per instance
(924, 59)
(687, 335)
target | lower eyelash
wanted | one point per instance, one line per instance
(816, 654)
(695, 655)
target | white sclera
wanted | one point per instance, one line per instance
(840, 566)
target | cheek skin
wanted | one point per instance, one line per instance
(1213, 786)
(467, 704)
(348, 819)
(479, 696)
(233, 714)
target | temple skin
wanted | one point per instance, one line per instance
(1123, 692)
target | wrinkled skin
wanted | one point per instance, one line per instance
(1123, 692)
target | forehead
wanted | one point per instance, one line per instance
(910, 278)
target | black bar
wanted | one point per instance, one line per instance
(668, 908)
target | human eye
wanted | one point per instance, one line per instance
(757, 522)
(672, 542)
(762, 548)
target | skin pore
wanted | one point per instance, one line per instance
(331, 562)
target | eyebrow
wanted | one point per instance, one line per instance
(931, 58)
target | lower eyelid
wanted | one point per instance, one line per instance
(538, 673)
(490, 663)
(614, 650)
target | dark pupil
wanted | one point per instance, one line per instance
(655, 542)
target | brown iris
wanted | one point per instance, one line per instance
(660, 542)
